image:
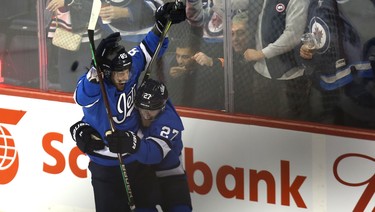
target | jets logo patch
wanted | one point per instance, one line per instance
(322, 34)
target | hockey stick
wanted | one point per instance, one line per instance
(161, 40)
(92, 23)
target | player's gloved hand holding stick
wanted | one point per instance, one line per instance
(121, 141)
(87, 138)
(170, 11)
(166, 15)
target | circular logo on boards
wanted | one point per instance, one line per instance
(8, 157)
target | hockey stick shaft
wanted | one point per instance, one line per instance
(109, 115)
(160, 43)
(157, 50)
(90, 31)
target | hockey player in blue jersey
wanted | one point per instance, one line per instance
(121, 71)
(159, 144)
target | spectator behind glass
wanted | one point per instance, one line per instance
(188, 55)
(71, 64)
(341, 70)
(280, 80)
(208, 16)
(250, 96)
(245, 99)
(133, 19)
(193, 78)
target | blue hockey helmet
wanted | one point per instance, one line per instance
(151, 95)
(116, 59)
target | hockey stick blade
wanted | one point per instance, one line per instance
(95, 10)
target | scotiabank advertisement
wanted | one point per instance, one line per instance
(231, 167)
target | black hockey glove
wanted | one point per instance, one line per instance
(169, 11)
(86, 137)
(105, 45)
(122, 142)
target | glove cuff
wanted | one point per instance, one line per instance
(135, 142)
(92, 75)
(77, 127)
(156, 30)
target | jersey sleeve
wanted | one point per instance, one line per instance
(162, 142)
(86, 93)
(143, 53)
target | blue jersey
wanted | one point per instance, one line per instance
(161, 143)
(121, 103)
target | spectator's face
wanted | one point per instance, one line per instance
(183, 56)
(240, 37)
(119, 78)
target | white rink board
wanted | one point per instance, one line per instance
(212, 151)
